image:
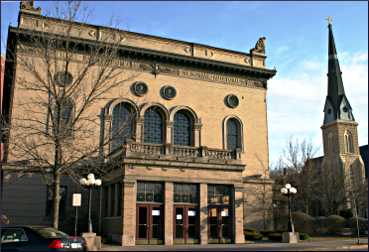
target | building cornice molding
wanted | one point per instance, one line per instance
(139, 59)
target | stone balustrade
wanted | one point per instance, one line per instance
(132, 148)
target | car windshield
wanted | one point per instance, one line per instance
(48, 232)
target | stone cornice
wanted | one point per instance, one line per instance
(243, 76)
(36, 22)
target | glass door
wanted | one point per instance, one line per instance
(149, 224)
(220, 224)
(186, 225)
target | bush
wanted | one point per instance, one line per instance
(304, 236)
(253, 236)
(335, 224)
(363, 225)
(275, 237)
(347, 213)
(320, 225)
(303, 222)
(249, 230)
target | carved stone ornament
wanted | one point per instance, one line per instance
(260, 46)
(28, 5)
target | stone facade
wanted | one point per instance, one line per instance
(202, 77)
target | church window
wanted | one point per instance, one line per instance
(122, 124)
(154, 126)
(348, 142)
(183, 126)
(233, 134)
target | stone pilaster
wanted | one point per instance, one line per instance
(203, 213)
(168, 214)
(139, 130)
(129, 213)
(238, 215)
(197, 134)
(169, 135)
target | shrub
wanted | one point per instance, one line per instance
(303, 222)
(335, 224)
(320, 225)
(304, 236)
(249, 230)
(347, 213)
(253, 236)
(363, 225)
(275, 236)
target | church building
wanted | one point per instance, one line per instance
(341, 169)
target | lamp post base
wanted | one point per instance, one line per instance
(290, 237)
(93, 242)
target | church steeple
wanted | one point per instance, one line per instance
(337, 106)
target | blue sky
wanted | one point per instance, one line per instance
(297, 43)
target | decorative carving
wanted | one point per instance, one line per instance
(247, 60)
(155, 69)
(92, 33)
(175, 71)
(28, 5)
(260, 46)
(208, 53)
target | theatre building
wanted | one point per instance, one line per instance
(192, 163)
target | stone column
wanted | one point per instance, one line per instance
(168, 213)
(139, 130)
(203, 213)
(238, 214)
(129, 213)
(196, 134)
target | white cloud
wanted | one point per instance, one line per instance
(296, 99)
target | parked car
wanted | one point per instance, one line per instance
(38, 238)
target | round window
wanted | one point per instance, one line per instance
(63, 78)
(232, 101)
(168, 92)
(139, 88)
(345, 109)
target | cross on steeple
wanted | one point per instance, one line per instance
(329, 19)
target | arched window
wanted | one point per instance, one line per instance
(182, 128)
(349, 145)
(153, 126)
(66, 117)
(122, 124)
(233, 134)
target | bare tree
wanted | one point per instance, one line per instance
(62, 81)
(293, 167)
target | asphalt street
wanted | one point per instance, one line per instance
(319, 244)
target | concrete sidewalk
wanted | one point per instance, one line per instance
(319, 244)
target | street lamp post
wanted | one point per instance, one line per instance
(289, 191)
(89, 183)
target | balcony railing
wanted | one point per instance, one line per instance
(133, 149)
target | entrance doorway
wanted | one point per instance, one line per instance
(149, 229)
(185, 225)
(220, 224)
(220, 215)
